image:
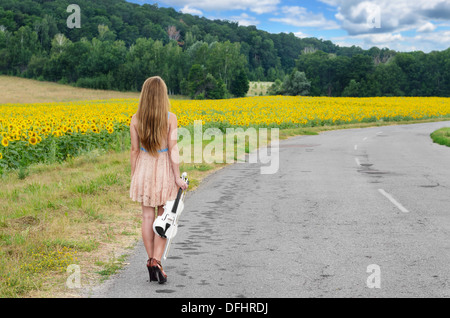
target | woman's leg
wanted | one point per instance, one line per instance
(148, 236)
(160, 243)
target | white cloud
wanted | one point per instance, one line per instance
(393, 15)
(438, 40)
(333, 3)
(257, 6)
(426, 42)
(244, 19)
(188, 10)
(366, 41)
(427, 27)
(300, 34)
(301, 17)
(381, 38)
(369, 40)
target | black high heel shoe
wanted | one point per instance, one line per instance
(157, 268)
(151, 271)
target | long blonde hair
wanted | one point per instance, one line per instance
(152, 114)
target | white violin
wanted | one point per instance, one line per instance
(166, 225)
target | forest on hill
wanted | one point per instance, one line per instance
(120, 44)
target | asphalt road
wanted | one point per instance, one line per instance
(345, 207)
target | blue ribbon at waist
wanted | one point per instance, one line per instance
(162, 150)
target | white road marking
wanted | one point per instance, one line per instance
(356, 147)
(357, 162)
(365, 138)
(379, 133)
(398, 205)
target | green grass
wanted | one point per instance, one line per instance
(442, 136)
(111, 266)
(79, 207)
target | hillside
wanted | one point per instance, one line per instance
(267, 54)
(22, 90)
(120, 44)
(128, 21)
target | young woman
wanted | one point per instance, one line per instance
(155, 173)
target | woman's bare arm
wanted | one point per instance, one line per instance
(134, 153)
(174, 152)
(173, 146)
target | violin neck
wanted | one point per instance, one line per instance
(177, 200)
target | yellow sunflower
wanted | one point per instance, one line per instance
(33, 141)
(5, 142)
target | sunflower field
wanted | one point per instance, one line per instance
(52, 132)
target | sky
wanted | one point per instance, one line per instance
(401, 25)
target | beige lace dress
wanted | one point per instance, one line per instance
(153, 181)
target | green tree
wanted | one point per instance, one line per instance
(214, 89)
(276, 88)
(5, 53)
(352, 90)
(224, 61)
(296, 84)
(24, 44)
(196, 80)
(240, 85)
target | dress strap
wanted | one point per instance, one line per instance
(162, 150)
